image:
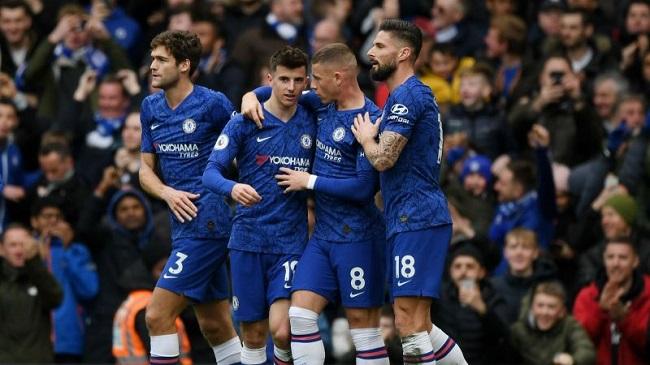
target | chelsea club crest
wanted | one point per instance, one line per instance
(189, 126)
(338, 134)
(305, 141)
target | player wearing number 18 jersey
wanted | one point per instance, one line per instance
(270, 227)
(179, 127)
(408, 157)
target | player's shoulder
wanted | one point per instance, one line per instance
(371, 107)
(412, 88)
(305, 114)
(239, 124)
(410, 96)
(151, 101)
(211, 97)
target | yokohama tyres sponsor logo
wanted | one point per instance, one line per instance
(296, 163)
(185, 150)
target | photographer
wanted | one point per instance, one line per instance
(559, 105)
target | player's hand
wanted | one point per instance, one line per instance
(292, 180)
(363, 128)
(180, 203)
(245, 195)
(252, 109)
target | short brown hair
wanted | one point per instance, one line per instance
(14, 225)
(523, 234)
(182, 45)
(552, 288)
(511, 30)
(335, 53)
(289, 57)
(71, 9)
(480, 69)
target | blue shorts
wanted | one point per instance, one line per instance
(258, 280)
(196, 268)
(351, 271)
(417, 261)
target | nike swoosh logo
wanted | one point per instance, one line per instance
(354, 295)
(400, 283)
(262, 139)
(287, 286)
(154, 126)
(167, 276)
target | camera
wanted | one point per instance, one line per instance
(557, 77)
(565, 104)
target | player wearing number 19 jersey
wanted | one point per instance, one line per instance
(408, 157)
(270, 227)
(179, 127)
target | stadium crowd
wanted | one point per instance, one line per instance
(546, 168)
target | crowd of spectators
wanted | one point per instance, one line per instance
(544, 107)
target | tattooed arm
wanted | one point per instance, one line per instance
(384, 154)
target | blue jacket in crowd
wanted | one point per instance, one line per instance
(75, 271)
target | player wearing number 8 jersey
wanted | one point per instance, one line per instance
(408, 156)
(179, 127)
(270, 227)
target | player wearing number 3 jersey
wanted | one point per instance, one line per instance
(270, 226)
(408, 157)
(179, 128)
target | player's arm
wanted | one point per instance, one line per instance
(383, 154)
(251, 104)
(359, 188)
(180, 202)
(213, 176)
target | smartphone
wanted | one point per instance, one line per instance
(557, 77)
(611, 181)
(467, 283)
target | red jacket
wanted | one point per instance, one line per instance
(632, 349)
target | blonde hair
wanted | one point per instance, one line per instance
(524, 235)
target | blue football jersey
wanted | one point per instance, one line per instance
(412, 196)
(278, 223)
(182, 139)
(338, 155)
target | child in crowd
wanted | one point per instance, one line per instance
(475, 116)
(444, 76)
(547, 335)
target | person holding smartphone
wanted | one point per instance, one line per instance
(558, 104)
(470, 310)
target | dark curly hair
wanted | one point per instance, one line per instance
(182, 45)
(289, 57)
